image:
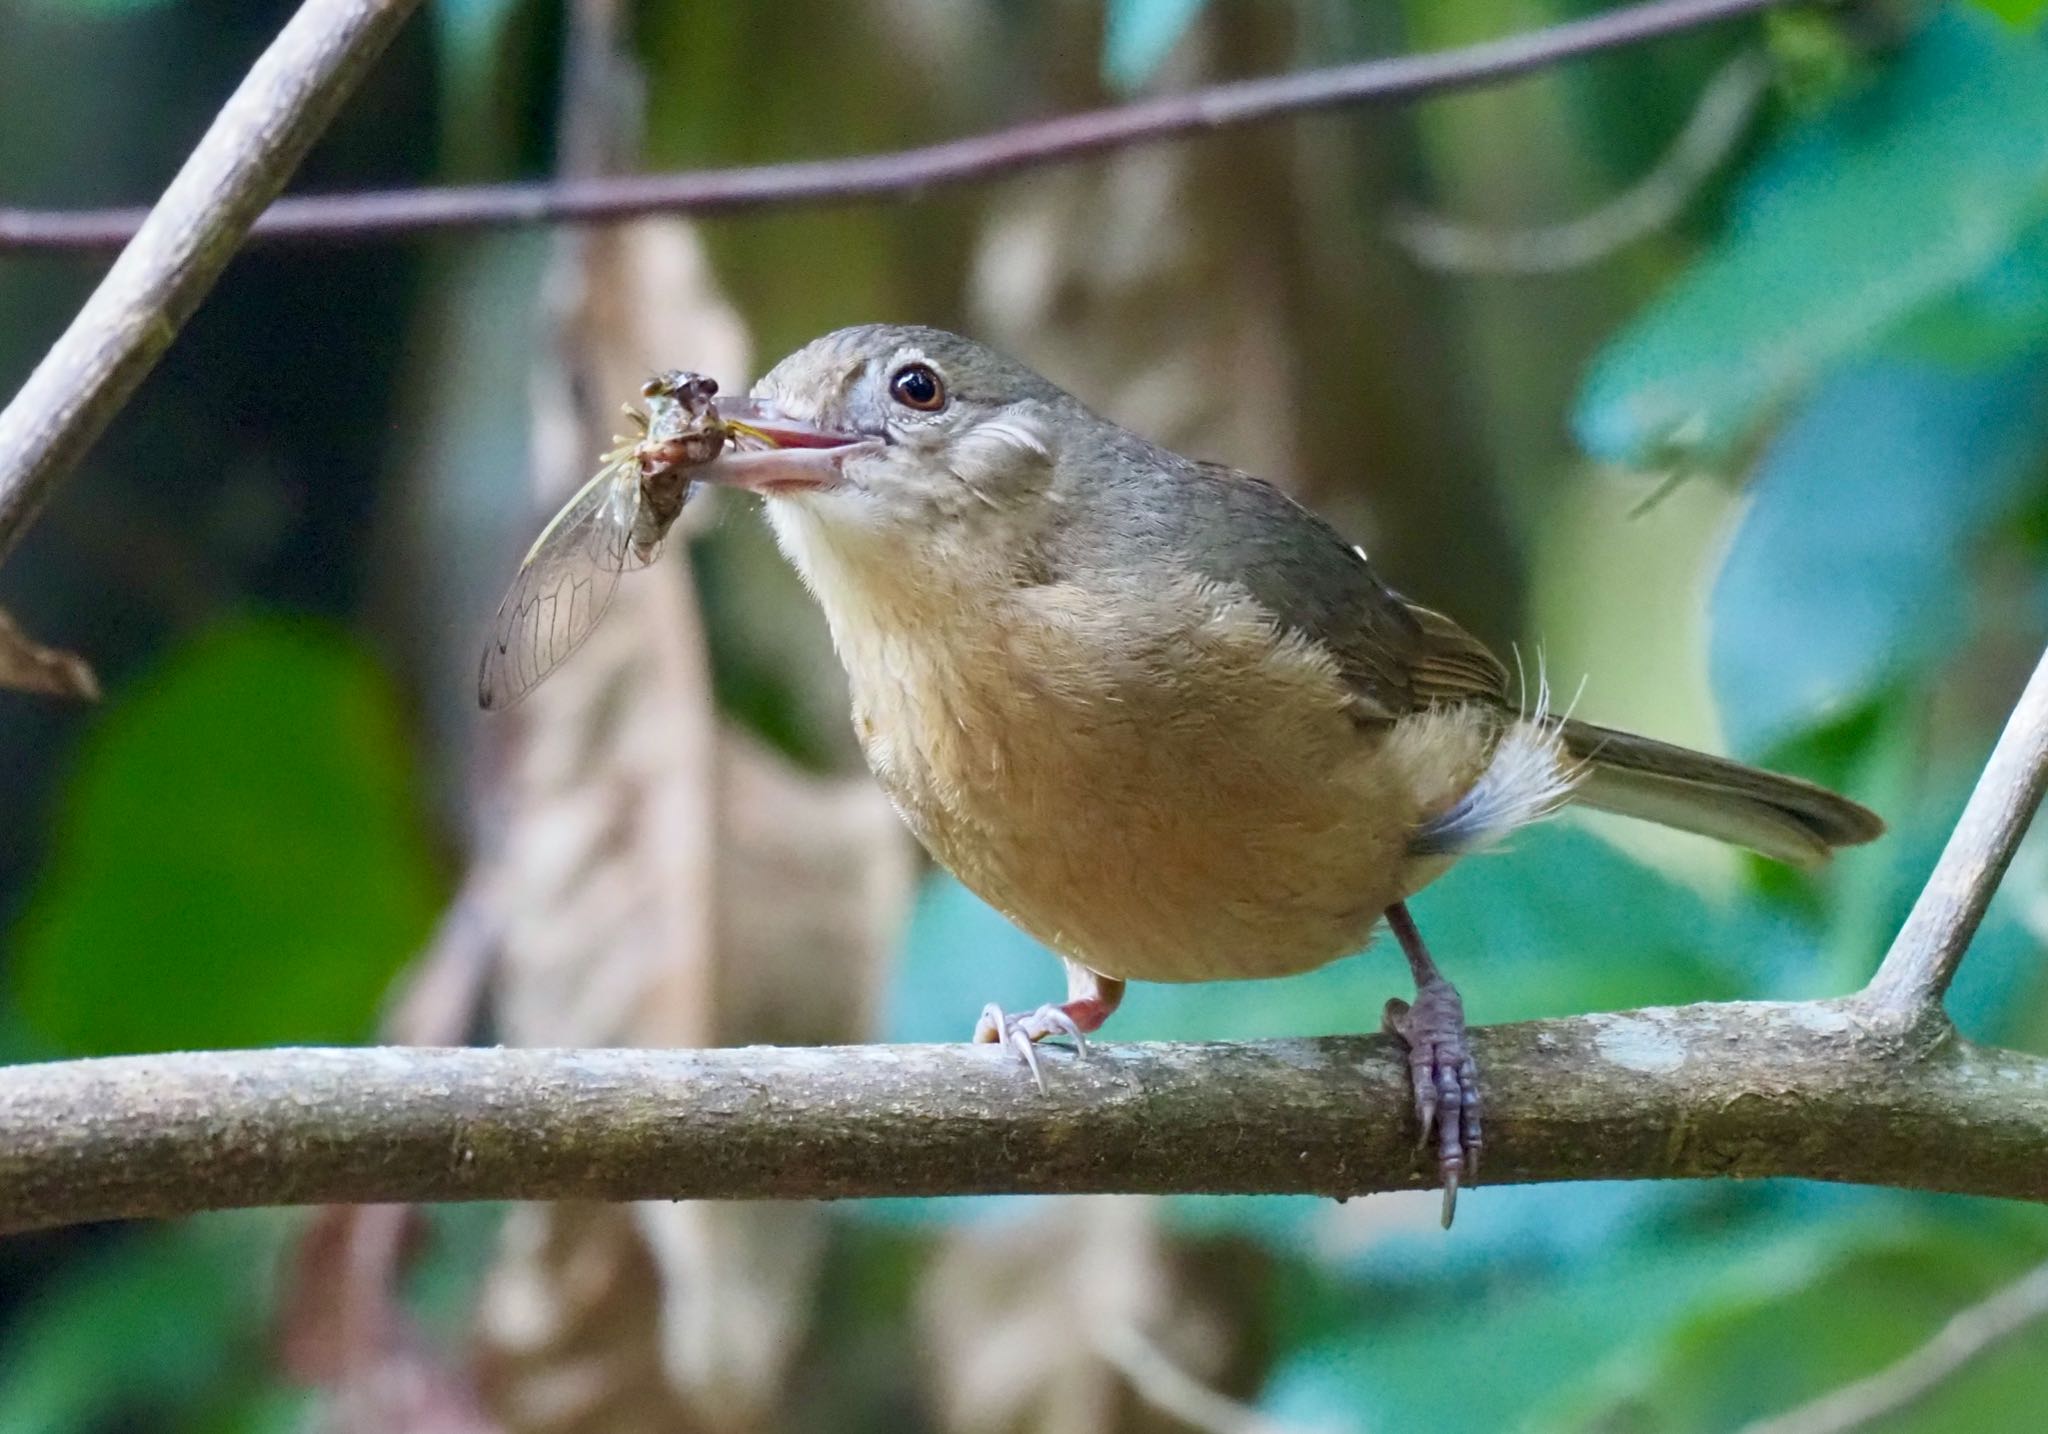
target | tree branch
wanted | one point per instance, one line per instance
(915, 171)
(253, 146)
(1740, 1089)
(1924, 956)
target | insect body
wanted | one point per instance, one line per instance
(616, 521)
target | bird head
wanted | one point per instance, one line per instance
(908, 447)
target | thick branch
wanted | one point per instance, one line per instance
(1925, 954)
(914, 171)
(1746, 1089)
(242, 162)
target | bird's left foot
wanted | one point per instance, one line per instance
(1446, 1080)
(1020, 1035)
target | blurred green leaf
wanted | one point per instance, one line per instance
(482, 92)
(1138, 35)
(1881, 205)
(1849, 568)
(153, 1321)
(242, 858)
(93, 8)
(2020, 14)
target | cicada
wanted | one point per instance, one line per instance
(615, 522)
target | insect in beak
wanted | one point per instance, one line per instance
(775, 453)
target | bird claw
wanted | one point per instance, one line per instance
(1446, 1082)
(1021, 1034)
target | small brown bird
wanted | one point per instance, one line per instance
(1163, 717)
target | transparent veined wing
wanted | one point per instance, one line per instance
(564, 586)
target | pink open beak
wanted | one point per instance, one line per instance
(804, 457)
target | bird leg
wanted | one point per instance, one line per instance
(1090, 999)
(1439, 1060)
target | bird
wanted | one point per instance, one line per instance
(1162, 716)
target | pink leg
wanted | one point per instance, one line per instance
(1090, 999)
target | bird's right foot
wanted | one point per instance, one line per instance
(1446, 1081)
(1439, 1061)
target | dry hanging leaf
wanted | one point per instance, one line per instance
(343, 1329)
(28, 666)
(664, 882)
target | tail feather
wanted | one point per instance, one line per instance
(1780, 817)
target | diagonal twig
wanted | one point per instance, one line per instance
(1925, 954)
(914, 171)
(252, 147)
(1719, 120)
(1970, 1332)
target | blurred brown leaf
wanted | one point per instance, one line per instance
(28, 666)
(1025, 1322)
(664, 881)
(343, 1329)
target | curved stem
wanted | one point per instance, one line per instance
(1925, 954)
(913, 171)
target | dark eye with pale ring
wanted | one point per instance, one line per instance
(916, 386)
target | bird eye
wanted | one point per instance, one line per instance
(916, 386)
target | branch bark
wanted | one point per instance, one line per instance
(1742, 1089)
(915, 171)
(254, 144)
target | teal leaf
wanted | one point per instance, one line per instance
(480, 81)
(1994, 318)
(1884, 204)
(1138, 35)
(1848, 569)
(242, 857)
(1535, 1336)
(1561, 922)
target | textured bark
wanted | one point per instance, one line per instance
(1745, 1089)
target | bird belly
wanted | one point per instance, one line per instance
(1152, 828)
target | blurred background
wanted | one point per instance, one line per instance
(1714, 371)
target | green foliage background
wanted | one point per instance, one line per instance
(1841, 349)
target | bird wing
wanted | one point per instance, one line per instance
(1453, 665)
(1397, 656)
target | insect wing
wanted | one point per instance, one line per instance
(564, 586)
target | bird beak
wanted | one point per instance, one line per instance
(776, 454)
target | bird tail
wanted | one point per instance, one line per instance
(1780, 817)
